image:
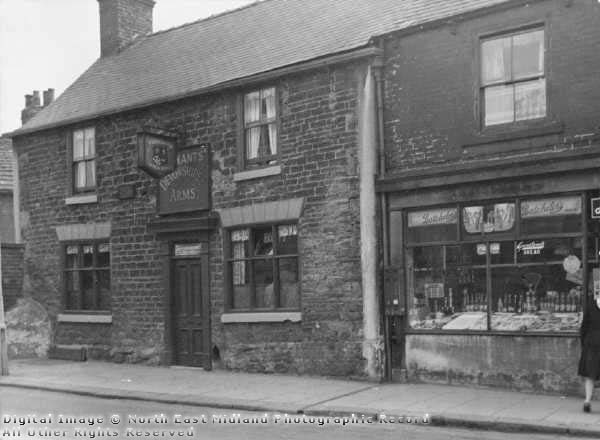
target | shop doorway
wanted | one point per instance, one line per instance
(190, 309)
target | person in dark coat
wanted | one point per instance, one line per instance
(589, 363)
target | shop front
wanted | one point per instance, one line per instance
(493, 279)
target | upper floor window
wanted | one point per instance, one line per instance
(513, 83)
(84, 160)
(260, 127)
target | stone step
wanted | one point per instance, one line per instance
(68, 352)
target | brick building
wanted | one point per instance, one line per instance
(492, 137)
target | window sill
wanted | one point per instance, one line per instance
(85, 318)
(82, 200)
(513, 132)
(258, 173)
(261, 317)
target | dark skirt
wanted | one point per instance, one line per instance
(589, 363)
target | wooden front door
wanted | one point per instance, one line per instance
(191, 311)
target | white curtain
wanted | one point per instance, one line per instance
(271, 113)
(252, 114)
(239, 240)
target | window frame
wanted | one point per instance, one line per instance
(275, 259)
(94, 269)
(480, 89)
(72, 163)
(264, 161)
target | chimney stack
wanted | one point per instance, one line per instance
(33, 104)
(121, 22)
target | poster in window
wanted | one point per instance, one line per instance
(551, 207)
(188, 187)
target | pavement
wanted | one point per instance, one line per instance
(447, 405)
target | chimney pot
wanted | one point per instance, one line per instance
(48, 97)
(36, 98)
(28, 100)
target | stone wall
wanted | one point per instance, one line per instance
(12, 273)
(318, 143)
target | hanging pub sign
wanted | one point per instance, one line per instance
(188, 187)
(156, 151)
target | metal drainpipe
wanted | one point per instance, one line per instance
(382, 201)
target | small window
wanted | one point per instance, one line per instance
(260, 127)
(263, 268)
(84, 160)
(513, 77)
(87, 276)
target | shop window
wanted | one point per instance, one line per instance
(529, 278)
(87, 276)
(260, 128)
(432, 225)
(263, 264)
(83, 160)
(513, 83)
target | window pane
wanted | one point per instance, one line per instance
(530, 100)
(528, 54)
(90, 148)
(72, 253)
(467, 254)
(241, 289)
(78, 147)
(502, 252)
(288, 239)
(269, 104)
(88, 255)
(263, 279)
(495, 60)
(104, 288)
(264, 146)
(87, 286)
(90, 173)
(103, 255)
(263, 239)
(498, 101)
(553, 215)
(252, 107)
(289, 296)
(79, 177)
(272, 138)
(549, 250)
(252, 142)
(499, 217)
(432, 225)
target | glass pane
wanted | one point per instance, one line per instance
(499, 104)
(495, 60)
(78, 150)
(502, 252)
(528, 54)
(468, 254)
(242, 289)
(79, 177)
(499, 217)
(432, 225)
(87, 286)
(252, 107)
(73, 300)
(252, 142)
(272, 138)
(263, 280)
(428, 258)
(553, 250)
(90, 149)
(530, 100)
(264, 145)
(103, 255)
(269, 105)
(288, 239)
(104, 287)
(289, 295)
(88, 255)
(535, 298)
(71, 259)
(554, 215)
(90, 172)
(263, 241)
(72, 281)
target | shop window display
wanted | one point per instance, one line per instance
(514, 265)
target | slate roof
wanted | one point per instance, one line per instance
(6, 164)
(258, 38)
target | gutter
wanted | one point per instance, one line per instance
(339, 58)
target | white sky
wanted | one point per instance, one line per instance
(49, 43)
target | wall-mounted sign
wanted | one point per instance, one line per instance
(551, 207)
(595, 207)
(443, 216)
(156, 151)
(530, 248)
(189, 250)
(188, 187)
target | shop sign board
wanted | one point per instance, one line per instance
(156, 152)
(595, 207)
(442, 216)
(551, 207)
(188, 187)
(189, 250)
(531, 248)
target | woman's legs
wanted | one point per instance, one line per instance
(589, 389)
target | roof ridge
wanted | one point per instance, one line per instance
(210, 17)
